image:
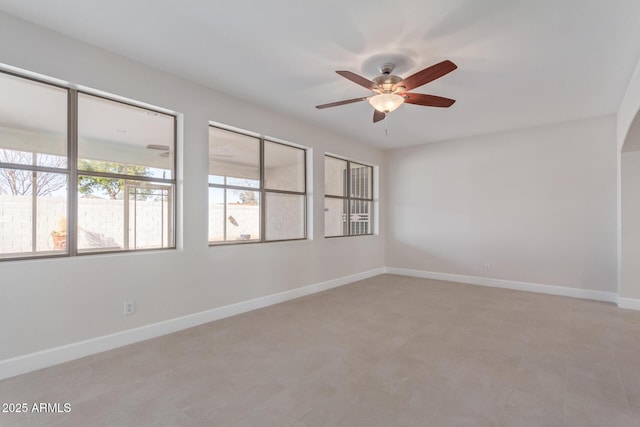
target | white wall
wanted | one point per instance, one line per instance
(538, 205)
(630, 277)
(628, 135)
(48, 303)
(629, 107)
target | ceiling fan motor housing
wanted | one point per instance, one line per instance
(386, 83)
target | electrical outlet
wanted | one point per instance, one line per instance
(129, 307)
(486, 267)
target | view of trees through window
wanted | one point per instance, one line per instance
(123, 191)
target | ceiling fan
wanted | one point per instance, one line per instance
(391, 91)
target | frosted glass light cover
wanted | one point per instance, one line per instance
(386, 102)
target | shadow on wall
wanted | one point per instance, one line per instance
(405, 255)
(630, 206)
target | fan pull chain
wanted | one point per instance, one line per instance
(386, 126)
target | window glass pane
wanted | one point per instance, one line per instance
(214, 179)
(118, 138)
(243, 182)
(361, 178)
(150, 215)
(242, 215)
(233, 157)
(335, 217)
(284, 216)
(360, 217)
(335, 176)
(33, 209)
(101, 221)
(216, 214)
(33, 119)
(234, 216)
(236, 167)
(283, 167)
(123, 215)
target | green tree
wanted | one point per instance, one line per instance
(248, 198)
(88, 185)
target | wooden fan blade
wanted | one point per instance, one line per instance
(357, 79)
(427, 75)
(335, 104)
(378, 115)
(428, 100)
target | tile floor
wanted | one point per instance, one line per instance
(387, 351)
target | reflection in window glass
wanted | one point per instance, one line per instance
(216, 214)
(101, 213)
(335, 217)
(122, 139)
(283, 167)
(33, 198)
(150, 215)
(234, 159)
(116, 140)
(33, 119)
(124, 215)
(242, 215)
(236, 213)
(361, 179)
(284, 216)
(112, 141)
(335, 176)
(33, 214)
(360, 217)
(348, 198)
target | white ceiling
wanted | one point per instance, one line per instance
(520, 63)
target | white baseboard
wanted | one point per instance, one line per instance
(42, 359)
(629, 303)
(508, 284)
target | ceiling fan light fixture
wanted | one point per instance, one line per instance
(390, 91)
(386, 102)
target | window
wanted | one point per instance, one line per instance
(257, 189)
(348, 202)
(80, 173)
(34, 170)
(125, 176)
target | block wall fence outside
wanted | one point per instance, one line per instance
(102, 219)
(16, 217)
(282, 220)
(105, 218)
(246, 216)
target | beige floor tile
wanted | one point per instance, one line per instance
(59, 420)
(524, 409)
(605, 392)
(540, 382)
(388, 351)
(463, 415)
(579, 413)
